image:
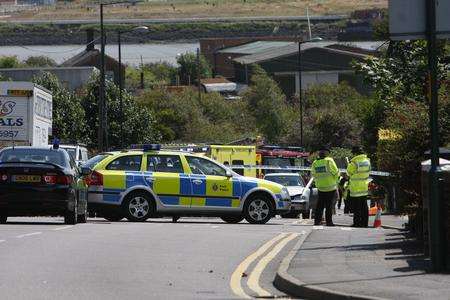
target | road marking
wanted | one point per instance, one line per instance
(1, 241)
(253, 280)
(62, 228)
(346, 228)
(318, 227)
(214, 226)
(28, 234)
(235, 281)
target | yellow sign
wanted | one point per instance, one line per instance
(388, 134)
(20, 93)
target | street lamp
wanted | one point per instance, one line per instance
(299, 67)
(102, 111)
(119, 43)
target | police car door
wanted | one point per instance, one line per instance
(169, 181)
(212, 190)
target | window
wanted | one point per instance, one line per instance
(17, 155)
(238, 163)
(91, 163)
(292, 180)
(164, 163)
(126, 163)
(205, 167)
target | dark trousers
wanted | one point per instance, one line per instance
(360, 211)
(325, 201)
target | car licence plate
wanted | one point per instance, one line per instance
(26, 178)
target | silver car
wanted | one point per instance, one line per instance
(302, 195)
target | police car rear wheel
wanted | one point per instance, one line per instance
(138, 207)
(232, 219)
(258, 210)
(71, 217)
(3, 219)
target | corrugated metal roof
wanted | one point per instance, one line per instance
(292, 48)
(255, 47)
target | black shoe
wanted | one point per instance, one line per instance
(317, 224)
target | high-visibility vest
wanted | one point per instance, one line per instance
(359, 171)
(325, 173)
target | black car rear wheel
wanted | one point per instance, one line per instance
(71, 217)
(232, 219)
(3, 219)
(83, 217)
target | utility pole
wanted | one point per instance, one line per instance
(119, 44)
(435, 201)
(142, 73)
(198, 75)
(299, 70)
(101, 98)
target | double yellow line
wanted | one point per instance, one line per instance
(281, 241)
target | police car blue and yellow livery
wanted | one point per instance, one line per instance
(139, 184)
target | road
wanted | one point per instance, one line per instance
(41, 258)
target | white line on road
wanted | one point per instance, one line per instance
(214, 226)
(253, 280)
(318, 227)
(346, 228)
(28, 234)
(1, 241)
(235, 282)
(62, 228)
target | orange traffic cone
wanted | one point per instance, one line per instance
(377, 222)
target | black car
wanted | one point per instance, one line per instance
(41, 182)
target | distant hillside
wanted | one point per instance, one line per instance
(83, 9)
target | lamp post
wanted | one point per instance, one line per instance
(299, 69)
(119, 43)
(102, 111)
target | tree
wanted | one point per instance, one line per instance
(9, 62)
(40, 61)
(69, 121)
(138, 123)
(267, 104)
(182, 116)
(188, 65)
(331, 117)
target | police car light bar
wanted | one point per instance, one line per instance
(146, 147)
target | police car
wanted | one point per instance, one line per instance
(139, 184)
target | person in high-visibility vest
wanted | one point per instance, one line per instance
(326, 175)
(358, 171)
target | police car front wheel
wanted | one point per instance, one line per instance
(138, 207)
(258, 210)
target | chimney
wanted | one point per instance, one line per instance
(90, 45)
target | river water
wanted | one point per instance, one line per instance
(131, 53)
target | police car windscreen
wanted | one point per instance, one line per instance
(18, 155)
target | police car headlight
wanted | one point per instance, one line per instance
(284, 193)
(300, 198)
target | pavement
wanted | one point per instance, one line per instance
(343, 262)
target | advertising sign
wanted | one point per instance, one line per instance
(14, 118)
(407, 19)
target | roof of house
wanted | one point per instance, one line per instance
(255, 47)
(83, 56)
(218, 85)
(356, 49)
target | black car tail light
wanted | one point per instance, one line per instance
(58, 179)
